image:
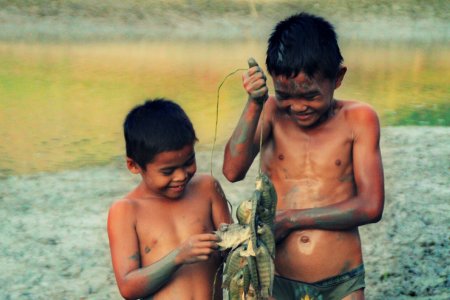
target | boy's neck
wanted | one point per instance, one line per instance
(329, 114)
(143, 193)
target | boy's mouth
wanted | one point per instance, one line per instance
(303, 116)
(178, 188)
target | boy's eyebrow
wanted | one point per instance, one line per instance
(306, 94)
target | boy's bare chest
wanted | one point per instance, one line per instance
(161, 228)
(310, 169)
(328, 150)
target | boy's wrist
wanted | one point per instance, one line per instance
(177, 259)
(256, 102)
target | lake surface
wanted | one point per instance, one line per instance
(62, 105)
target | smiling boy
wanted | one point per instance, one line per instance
(322, 155)
(160, 233)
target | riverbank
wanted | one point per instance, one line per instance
(115, 20)
(53, 226)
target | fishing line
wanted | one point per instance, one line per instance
(258, 289)
(217, 115)
(217, 122)
(261, 138)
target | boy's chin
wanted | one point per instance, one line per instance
(174, 194)
(307, 124)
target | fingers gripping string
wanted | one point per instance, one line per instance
(251, 63)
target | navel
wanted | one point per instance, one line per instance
(304, 245)
(281, 157)
(304, 239)
(338, 162)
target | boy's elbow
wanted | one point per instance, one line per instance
(232, 175)
(128, 292)
(376, 218)
(374, 213)
(129, 295)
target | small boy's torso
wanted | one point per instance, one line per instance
(313, 168)
(163, 224)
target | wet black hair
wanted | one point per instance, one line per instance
(156, 126)
(303, 42)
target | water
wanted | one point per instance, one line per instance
(62, 105)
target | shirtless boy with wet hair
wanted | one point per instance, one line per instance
(322, 155)
(160, 234)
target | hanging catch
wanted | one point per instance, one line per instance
(233, 235)
(249, 268)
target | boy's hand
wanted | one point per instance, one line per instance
(197, 248)
(254, 82)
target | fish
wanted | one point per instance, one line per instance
(249, 267)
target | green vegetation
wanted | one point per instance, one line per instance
(434, 115)
(138, 9)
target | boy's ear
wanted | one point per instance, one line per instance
(340, 76)
(133, 166)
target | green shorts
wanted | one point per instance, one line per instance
(333, 288)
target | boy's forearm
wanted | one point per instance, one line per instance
(148, 280)
(240, 149)
(340, 216)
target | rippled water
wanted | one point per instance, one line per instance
(62, 106)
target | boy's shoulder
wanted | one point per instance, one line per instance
(356, 111)
(203, 180)
(206, 186)
(125, 206)
(122, 213)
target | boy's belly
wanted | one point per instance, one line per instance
(313, 255)
(191, 281)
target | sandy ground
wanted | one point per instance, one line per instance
(54, 243)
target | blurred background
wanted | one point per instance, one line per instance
(71, 70)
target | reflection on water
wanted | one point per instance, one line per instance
(62, 106)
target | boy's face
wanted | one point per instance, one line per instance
(304, 99)
(169, 172)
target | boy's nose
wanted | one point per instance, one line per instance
(180, 174)
(298, 108)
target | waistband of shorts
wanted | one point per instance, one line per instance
(332, 280)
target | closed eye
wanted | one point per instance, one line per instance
(168, 171)
(310, 96)
(281, 96)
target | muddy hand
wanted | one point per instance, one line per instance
(254, 82)
(197, 248)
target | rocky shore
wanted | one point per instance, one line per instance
(53, 226)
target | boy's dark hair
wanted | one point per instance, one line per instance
(303, 42)
(156, 126)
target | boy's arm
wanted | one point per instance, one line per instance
(136, 282)
(243, 146)
(220, 212)
(367, 204)
(220, 215)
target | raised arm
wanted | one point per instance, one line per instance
(134, 281)
(366, 206)
(243, 146)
